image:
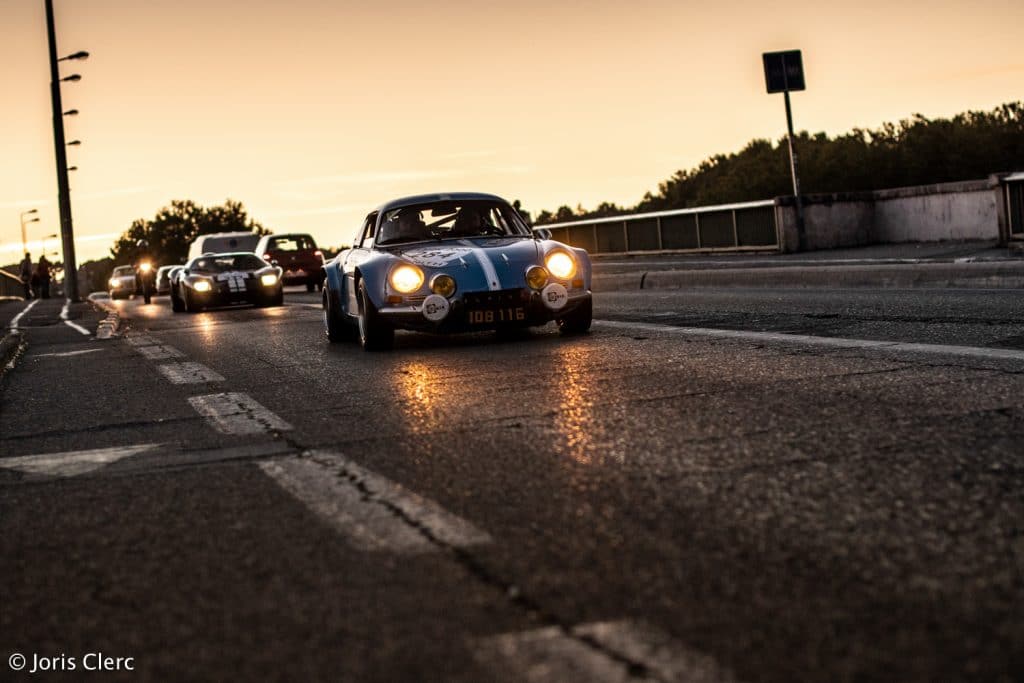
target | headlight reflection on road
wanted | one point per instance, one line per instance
(575, 420)
(421, 395)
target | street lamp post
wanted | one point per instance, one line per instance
(24, 240)
(63, 197)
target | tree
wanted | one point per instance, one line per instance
(169, 234)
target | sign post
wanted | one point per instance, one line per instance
(784, 71)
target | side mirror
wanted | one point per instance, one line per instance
(542, 233)
(273, 262)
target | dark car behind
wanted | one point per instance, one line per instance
(297, 255)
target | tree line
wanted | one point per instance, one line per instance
(915, 151)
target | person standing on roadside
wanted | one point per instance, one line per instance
(26, 274)
(43, 273)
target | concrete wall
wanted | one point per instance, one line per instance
(930, 213)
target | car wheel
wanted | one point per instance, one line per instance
(334, 325)
(190, 305)
(374, 333)
(310, 286)
(278, 299)
(176, 304)
(578, 321)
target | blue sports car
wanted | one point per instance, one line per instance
(452, 263)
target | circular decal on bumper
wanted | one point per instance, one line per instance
(554, 296)
(435, 308)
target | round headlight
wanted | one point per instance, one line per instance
(536, 277)
(145, 266)
(268, 280)
(202, 286)
(113, 282)
(561, 265)
(443, 284)
(406, 278)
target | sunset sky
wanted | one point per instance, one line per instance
(312, 112)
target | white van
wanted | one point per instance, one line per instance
(223, 242)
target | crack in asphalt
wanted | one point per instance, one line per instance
(509, 591)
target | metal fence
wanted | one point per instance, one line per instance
(10, 286)
(750, 226)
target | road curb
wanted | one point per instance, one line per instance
(11, 347)
(109, 326)
(998, 275)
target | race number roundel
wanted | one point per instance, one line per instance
(554, 296)
(435, 308)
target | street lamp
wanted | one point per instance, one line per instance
(71, 112)
(24, 241)
(74, 143)
(63, 191)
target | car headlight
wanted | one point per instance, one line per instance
(406, 278)
(145, 266)
(561, 265)
(113, 283)
(536, 277)
(202, 286)
(268, 280)
(443, 284)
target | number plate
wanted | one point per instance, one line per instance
(496, 316)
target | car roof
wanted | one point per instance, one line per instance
(220, 254)
(439, 197)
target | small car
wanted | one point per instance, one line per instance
(298, 255)
(225, 280)
(122, 282)
(452, 263)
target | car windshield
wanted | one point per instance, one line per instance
(450, 219)
(291, 243)
(121, 271)
(224, 263)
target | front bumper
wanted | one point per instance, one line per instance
(505, 306)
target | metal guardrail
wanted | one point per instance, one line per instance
(748, 226)
(1013, 189)
(10, 286)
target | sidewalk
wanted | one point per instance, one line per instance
(938, 265)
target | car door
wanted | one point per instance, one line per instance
(355, 257)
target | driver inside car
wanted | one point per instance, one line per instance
(410, 227)
(469, 223)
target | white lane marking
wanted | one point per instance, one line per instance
(67, 320)
(236, 413)
(600, 652)
(363, 505)
(17, 318)
(159, 352)
(72, 463)
(141, 340)
(189, 373)
(834, 342)
(66, 353)
(493, 283)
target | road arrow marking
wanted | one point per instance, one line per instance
(72, 463)
(602, 652)
(373, 513)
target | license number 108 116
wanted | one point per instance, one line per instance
(497, 315)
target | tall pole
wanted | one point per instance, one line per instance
(800, 231)
(67, 233)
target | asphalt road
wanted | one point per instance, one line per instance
(830, 490)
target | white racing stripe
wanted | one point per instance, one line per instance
(141, 340)
(17, 318)
(188, 373)
(159, 352)
(493, 282)
(833, 342)
(71, 463)
(235, 413)
(68, 322)
(373, 513)
(600, 652)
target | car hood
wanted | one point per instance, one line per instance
(479, 263)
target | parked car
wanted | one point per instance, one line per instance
(452, 263)
(298, 255)
(122, 282)
(224, 280)
(223, 242)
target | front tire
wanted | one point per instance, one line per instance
(374, 333)
(176, 303)
(579, 320)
